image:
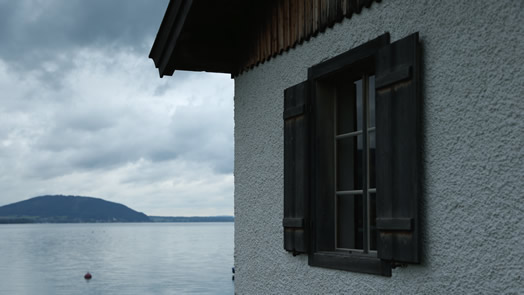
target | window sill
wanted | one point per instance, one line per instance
(355, 262)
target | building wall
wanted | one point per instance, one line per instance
(473, 88)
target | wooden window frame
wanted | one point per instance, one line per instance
(322, 78)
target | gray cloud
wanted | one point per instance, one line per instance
(82, 111)
(32, 31)
(90, 134)
(44, 37)
(203, 133)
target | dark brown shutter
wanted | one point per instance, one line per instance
(296, 101)
(398, 160)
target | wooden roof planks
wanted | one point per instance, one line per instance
(233, 36)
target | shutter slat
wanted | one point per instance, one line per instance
(389, 224)
(296, 100)
(398, 150)
(293, 222)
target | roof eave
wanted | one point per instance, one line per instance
(166, 39)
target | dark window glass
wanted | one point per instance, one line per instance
(349, 163)
(350, 222)
(371, 101)
(372, 221)
(360, 105)
(372, 149)
(349, 109)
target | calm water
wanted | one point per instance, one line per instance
(124, 258)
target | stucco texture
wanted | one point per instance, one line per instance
(473, 141)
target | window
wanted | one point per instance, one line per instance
(351, 159)
(354, 154)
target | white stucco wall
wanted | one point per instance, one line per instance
(473, 92)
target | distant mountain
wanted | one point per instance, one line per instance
(58, 208)
(192, 219)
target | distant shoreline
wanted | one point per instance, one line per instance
(192, 218)
(152, 219)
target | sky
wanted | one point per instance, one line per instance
(83, 111)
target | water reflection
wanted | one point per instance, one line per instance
(149, 258)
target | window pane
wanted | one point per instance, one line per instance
(349, 163)
(350, 222)
(360, 104)
(372, 221)
(371, 101)
(372, 149)
(349, 108)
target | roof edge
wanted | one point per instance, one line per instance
(167, 35)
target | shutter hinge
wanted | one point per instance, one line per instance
(294, 111)
(399, 74)
(400, 224)
(293, 222)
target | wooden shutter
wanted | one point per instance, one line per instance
(296, 150)
(398, 159)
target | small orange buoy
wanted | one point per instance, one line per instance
(87, 276)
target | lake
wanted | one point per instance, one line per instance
(124, 258)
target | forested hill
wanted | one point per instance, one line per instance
(58, 208)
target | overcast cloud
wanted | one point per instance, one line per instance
(84, 112)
